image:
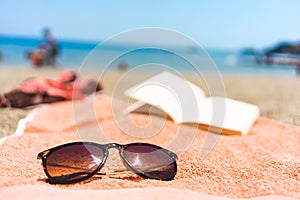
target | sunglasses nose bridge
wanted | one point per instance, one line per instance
(113, 145)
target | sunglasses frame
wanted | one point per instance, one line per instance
(105, 148)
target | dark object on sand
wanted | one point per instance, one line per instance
(123, 66)
(19, 99)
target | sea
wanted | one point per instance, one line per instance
(75, 54)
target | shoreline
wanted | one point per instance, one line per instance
(276, 96)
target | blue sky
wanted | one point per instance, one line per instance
(222, 24)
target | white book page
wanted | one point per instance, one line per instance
(227, 114)
(170, 93)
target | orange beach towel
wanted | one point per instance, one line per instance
(263, 164)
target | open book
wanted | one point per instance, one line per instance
(184, 102)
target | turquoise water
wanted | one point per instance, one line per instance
(75, 54)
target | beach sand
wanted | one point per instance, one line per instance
(277, 97)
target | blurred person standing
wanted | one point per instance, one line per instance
(51, 48)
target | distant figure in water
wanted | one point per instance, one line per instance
(298, 67)
(46, 52)
(122, 66)
(68, 86)
(51, 48)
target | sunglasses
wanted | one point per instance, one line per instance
(78, 161)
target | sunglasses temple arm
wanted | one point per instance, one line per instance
(76, 174)
(114, 172)
(99, 173)
(129, 171)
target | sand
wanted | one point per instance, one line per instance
(277, 97)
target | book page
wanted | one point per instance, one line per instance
(229, 114)
(170, 93)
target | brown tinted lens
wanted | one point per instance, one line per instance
(73, 162)
(151, 161)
